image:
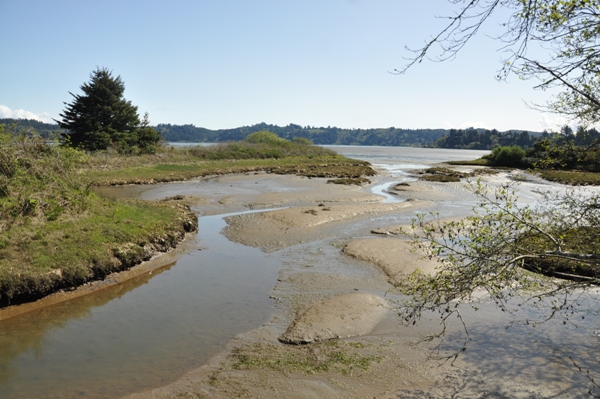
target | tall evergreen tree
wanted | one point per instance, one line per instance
(101, 117)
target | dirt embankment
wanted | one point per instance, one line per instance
(37, 291)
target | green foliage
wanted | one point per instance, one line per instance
(239, 150)
(265, 137)
(47, 131)
(483, 139)
(507, 156)
(318, 135)
(302, 141)
(567, 151)
(37, 180)
(101, 118)
(265, 146)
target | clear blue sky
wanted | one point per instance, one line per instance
(228, 63)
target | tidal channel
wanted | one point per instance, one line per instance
(142, 333)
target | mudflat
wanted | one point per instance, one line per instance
(334, 332)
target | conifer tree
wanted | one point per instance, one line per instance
(101, 118)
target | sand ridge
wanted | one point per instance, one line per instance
(275, 230)
(395, 256)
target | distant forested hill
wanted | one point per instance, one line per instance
(482, 139)
(318, 135)
(46, 130)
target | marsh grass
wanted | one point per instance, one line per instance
(473, 162)
(39, 258)
(573, 177)
(350, 181)
(326, 166)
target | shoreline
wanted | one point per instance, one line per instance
(159, 261)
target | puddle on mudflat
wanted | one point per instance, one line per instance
(142, 333)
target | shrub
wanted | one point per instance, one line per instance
(302, 141)
(507, 156)
(265, 137)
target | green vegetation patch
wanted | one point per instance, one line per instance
(472, 162)
(39, 258)
(265, 153)
(572, 177)
(440, 178)
(330, 356)
(56, 233)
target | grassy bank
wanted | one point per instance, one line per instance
(37, 259)
(56, 233)
(573, 177)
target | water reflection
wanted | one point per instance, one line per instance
(142, 333)
(28, 333)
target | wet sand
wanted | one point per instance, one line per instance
(324, 238)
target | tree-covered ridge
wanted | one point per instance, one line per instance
(318, 135)
(44, 130)
(469, 138)
(484, 139)
(480, 139)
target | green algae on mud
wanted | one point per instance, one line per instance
(342, 357)
(445, 175)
